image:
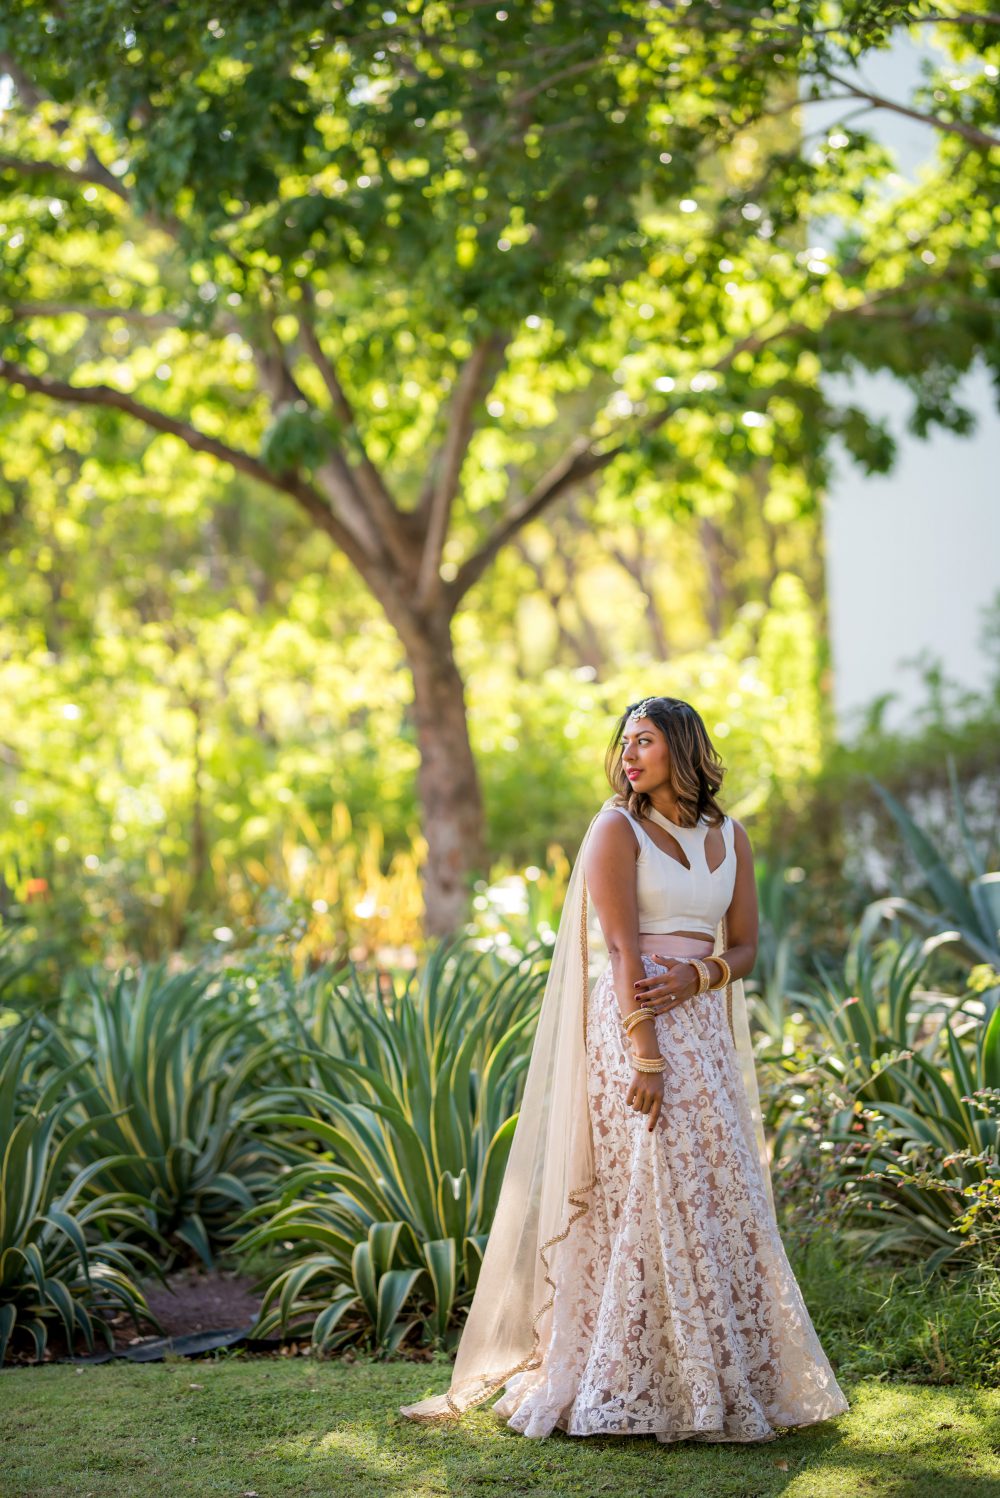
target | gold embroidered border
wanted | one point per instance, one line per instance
(729, 985)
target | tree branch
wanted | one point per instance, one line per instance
(23, 310)
(577, 463)
(475, 376)
(308, 498)
(975, 137)
(92, 172)
(581, 460)
(383, 509)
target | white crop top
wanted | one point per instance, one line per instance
(675, 898)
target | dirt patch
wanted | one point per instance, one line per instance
(193, 1300)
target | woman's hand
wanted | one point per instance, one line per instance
(664, 991)
(646, 1095)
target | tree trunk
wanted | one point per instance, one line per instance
(711, 547)
(447, 781)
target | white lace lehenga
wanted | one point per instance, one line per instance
(676, 1312)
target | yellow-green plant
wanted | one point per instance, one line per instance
(163, 1088)
(344, 897)
(59, 1259)
(398, 1118)
(927, 1181)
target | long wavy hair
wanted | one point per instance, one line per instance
(696, 769)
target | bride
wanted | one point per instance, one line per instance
(635, 1281)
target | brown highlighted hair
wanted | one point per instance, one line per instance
(696, 769)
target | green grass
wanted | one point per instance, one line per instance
(236, 1426)
(878, 1321)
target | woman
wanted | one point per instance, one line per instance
(635, 1281)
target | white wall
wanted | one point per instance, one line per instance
(913, 557)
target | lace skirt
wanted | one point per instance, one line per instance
(676, 1313)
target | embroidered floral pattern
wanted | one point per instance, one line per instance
(676, 1312)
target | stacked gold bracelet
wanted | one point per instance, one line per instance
(643, 1063)
(727, 972)
(649, 1063)
(704, 976)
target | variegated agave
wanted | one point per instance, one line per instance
(60, 1259)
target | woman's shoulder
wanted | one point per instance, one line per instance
(613, 829)
(613, 817)
(740, 836)
(612, 809)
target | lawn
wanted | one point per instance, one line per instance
(272, 1427)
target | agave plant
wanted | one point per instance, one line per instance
(400, 1024)
(164, 1091)
(969, 907)
(869, 1013)
(412, 1103)
(776, 971)
(868, 1027)
(927, 1180)
(58, 1260)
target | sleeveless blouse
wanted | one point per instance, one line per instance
(672, 897)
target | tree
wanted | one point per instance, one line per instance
(426, 272)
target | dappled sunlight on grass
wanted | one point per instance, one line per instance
(301, 1428)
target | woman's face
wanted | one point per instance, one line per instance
(645, 755)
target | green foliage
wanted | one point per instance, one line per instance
(162, 1085)
(894, 1321)
(869, 1018)
(301, 798)
(971, 905)
(411, 1098)
(295, 439)
(59, 1261)
(885, 1098)
(927, 1180)
(843, 844)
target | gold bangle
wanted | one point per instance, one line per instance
(635, 1017)
(704, 976)
(725, 970)
(649, 1064)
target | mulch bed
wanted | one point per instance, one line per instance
(193, 1300)
(193, 1303)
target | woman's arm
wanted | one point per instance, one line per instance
(742, 917)
(610, 871)
(609, 867)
